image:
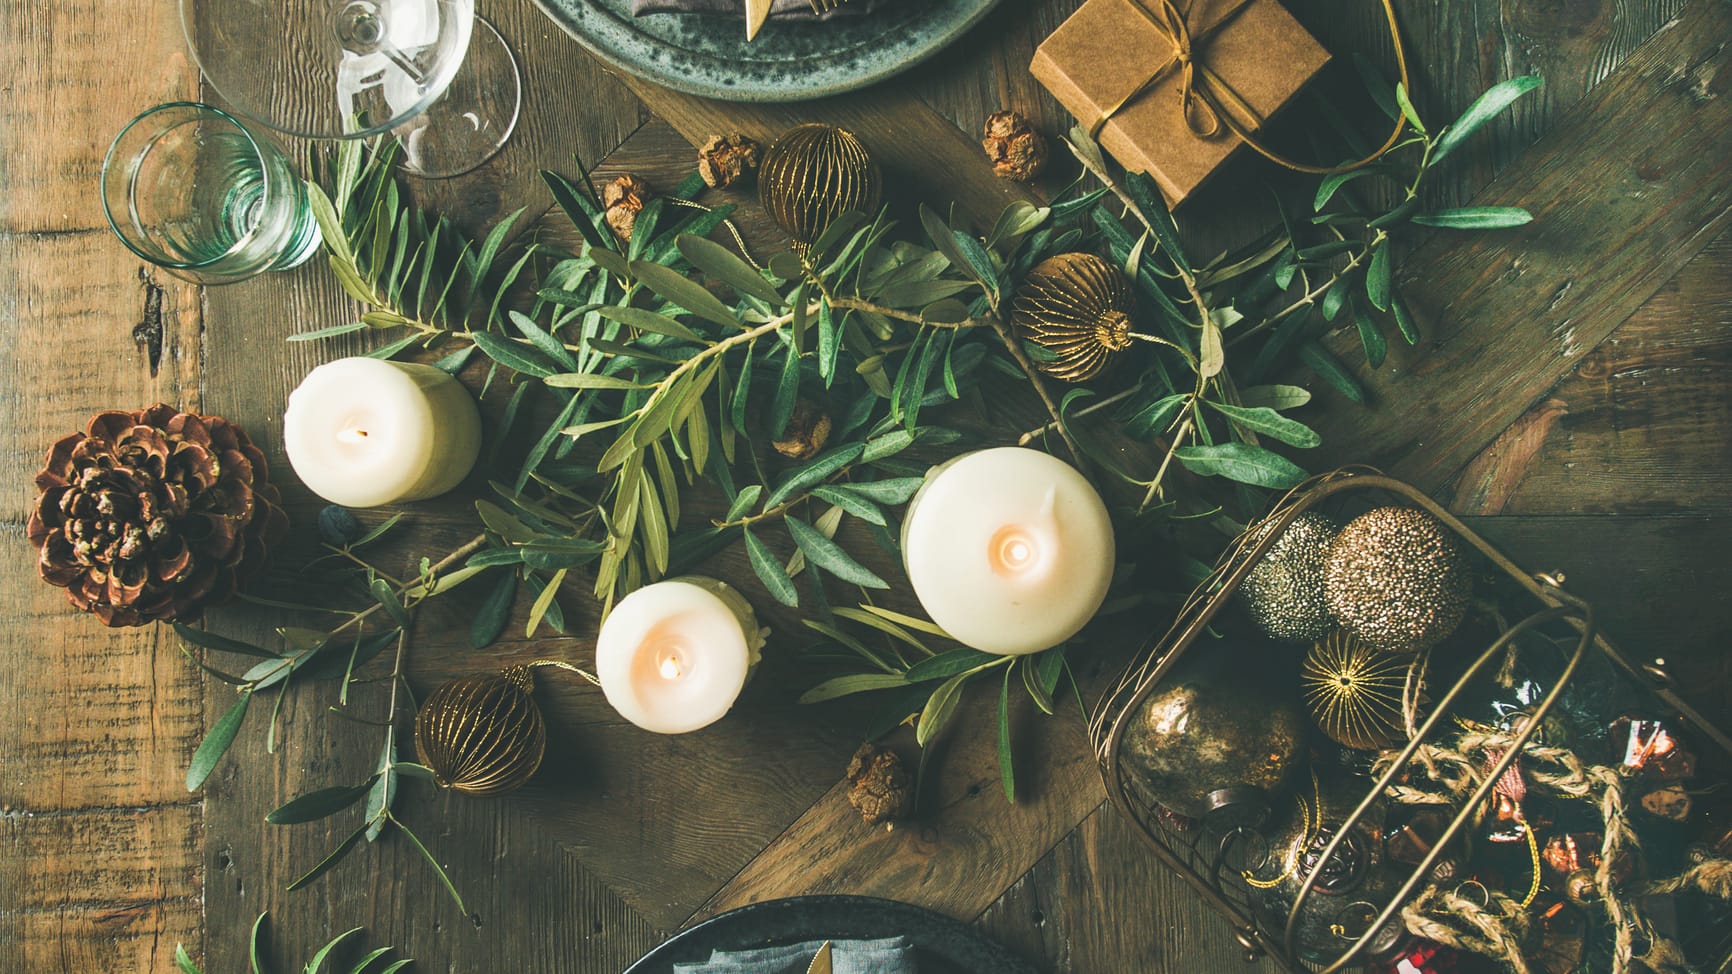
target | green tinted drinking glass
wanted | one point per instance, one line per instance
(190, 189)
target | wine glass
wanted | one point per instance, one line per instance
(431, 71)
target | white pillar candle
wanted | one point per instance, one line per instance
(1010, 550)
(673, 656)
(362, 432)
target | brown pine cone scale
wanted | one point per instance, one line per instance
(151, 515)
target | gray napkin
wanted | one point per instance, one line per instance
(893, 955)
(781, 10)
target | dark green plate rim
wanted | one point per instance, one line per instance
(788, 61)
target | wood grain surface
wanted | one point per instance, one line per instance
(1571, 397)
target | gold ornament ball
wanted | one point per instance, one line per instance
(1397, 579)
(1078, 307)
(1283, 594)
(1353, 691)
(814, 174)
(482, 735)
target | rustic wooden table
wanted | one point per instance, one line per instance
(1570, 397)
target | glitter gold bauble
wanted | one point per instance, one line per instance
(1397, 579)
(813, 174)
(482, 735)
(1353, 691)
(1283, 594)
(1076, 306)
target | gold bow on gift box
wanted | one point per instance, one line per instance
(1230, 63)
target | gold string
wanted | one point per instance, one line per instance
(1293, 857)
(739, 241)
(1204, 106)
(1534, 854)
(562, 665)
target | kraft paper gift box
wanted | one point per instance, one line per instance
(1114, 65)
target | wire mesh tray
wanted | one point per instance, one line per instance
(1211, 859)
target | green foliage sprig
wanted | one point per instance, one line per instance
(374, 962)
(341, 652)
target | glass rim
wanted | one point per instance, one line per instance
(240, 104)
(108, 167)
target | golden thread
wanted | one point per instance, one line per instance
(734, 231)
(1307, 826)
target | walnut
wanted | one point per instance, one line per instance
(878, 786)
(726, 159)
(808, 430)
(1668, 802)
(1016, 150)
(624, 198)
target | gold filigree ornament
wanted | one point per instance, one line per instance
(813, 174)
(1078, 308)
(484, 735)
(1356, 693)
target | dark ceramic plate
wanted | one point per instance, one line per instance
(944, 946)
(708, 54)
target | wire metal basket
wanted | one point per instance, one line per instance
(1199, 854)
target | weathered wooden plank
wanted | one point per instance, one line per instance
(78, 72)
(1505, 313)
(73, 303)
(1101, 901)
(57, 862)
(1642, 423)
(135, 937)
(967, 844)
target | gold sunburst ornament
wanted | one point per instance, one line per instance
(1354, 691)
(1077, 307)
(814, 174)
(482, 735)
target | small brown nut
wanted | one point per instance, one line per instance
(624, 198)
(878, 785)
(727, 159)
(1015, 149)
(808, 430)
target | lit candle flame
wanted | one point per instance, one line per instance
(671, 669)
(1011, 552)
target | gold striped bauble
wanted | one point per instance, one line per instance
(814, 174)
(1354, 690)
(482, 735)
(1077, 307)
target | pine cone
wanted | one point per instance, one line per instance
(624, 198)
(1015, 149)
(154, 514)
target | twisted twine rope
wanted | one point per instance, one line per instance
(1500, 925)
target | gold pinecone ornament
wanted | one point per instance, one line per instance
(1283, 594)
(813, 174)
(152, 514)
(482, 735)
(1078, 307)
(1354, 691)
(1397, 579)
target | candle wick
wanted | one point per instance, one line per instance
(352, 435)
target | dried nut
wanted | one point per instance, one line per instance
(1668, 802)
(807, 431)
(726, 159)
(878, 785)
(1015, 149)
(624, 198)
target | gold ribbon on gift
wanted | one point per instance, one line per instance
(1208, 103)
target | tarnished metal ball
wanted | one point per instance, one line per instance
(482, 735)
(1216, 738)
(814, 174)
(1283, 594)
(1078, 307)
(1397, 579)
